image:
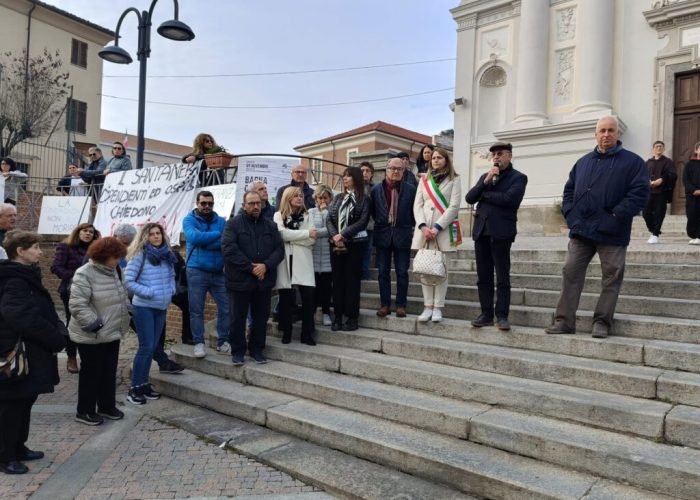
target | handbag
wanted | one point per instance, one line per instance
(13, 364)
(429, 266)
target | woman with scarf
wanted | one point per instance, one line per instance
(297, 268)
(348, 215)
(150, 276)
(436, 209)
(69, 256)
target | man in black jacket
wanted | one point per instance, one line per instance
(252, 248)
(662, 179)
(299, 175)
(498, 193)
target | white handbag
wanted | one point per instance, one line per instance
(429, 266)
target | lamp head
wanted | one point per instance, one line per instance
(115, 54)
(176, 30)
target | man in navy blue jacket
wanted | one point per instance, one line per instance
(498, 193)
(606, 189)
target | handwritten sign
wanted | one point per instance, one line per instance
(61, 214)
(156, 194)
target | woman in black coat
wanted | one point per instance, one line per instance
(348, 215)
(27, 313)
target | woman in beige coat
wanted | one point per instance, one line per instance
(436, 208)
(297, 268)
(100, 318)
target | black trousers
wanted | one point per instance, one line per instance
(259, 303)
(71, 349)
(182, 302)
(654, 212)
(15, 416)
(692, 211)
(347, 274)
(493, 255)
(97, 382)
(324, 291)
(286, 303)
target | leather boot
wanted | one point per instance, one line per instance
(72, 365)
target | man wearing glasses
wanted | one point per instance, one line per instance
(205, 265)
(94, 173)
(120, 161)
(299, 180)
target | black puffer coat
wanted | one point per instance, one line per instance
(26, 310)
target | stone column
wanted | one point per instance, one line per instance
(532, 64)
(595, 56)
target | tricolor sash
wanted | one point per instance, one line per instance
(440, 202)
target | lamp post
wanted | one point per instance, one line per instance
(173, 30)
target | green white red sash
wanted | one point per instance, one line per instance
(440, 202)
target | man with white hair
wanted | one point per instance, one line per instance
(8, 219)
(267, 211)
(606, 189)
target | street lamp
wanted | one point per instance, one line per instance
(173, 30)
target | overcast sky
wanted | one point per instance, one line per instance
(263, 36)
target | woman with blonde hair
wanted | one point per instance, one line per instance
(150, 276)
(322, 252)
(297, 268)
(203, 144)
(435, 209)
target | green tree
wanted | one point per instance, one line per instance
(33, 94)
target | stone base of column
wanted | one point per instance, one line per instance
(593, 108)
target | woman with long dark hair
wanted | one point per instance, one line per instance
(69, 256)
(150, 276)
(348, 215)
(424, 157)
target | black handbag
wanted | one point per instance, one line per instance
(13, 364)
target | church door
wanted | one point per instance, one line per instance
(686, 130)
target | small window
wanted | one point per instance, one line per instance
(76, 116)
(78, 53)
(316, 168)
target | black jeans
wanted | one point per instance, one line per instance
(259, 303)
(15, 416)
(692, 211)
(493, 255)
(97, 383)
(347, 271)
(654, 212)
(287, 301)
(71, 349)
(182, 302)
(324, 291)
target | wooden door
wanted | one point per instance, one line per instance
(686, 130)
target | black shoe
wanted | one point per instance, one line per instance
(238, 359)
(171, 367)
(482, 320)
(337, 325)
(559, 328)
(135, 397)
(113, 414)
(286, 337)
(148, 392)
(350, 325)
(309, 340)
(28, 455)
(89, 418)
(600, 330)
(503, 324)
(13, 468)
(259, 358)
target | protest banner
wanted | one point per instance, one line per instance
(274, 172)
(224, 198)
(155, 194)
(60, 214)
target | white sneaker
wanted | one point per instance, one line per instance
(224, 348)
(437, 315)
(426, 315)
(694, 241)
(199, 351)
(327, 320)
(653, 239)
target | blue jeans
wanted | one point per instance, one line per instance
(149, 326)
(402, 257)
(198, 284)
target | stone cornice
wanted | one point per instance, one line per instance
(567, 128)
(669, 13)
(477, 13)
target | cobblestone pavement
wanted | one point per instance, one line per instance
(135, 458)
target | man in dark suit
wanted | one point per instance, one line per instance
(391, 208)
(498, 193)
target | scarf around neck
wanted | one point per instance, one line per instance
(294, 220)
(156, 255)
(345, 211)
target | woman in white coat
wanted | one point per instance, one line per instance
(436, 208)
(297, 268)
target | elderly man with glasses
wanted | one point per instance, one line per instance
(299, 174)
(93, 174)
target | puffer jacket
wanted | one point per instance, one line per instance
(65, 262)
(204, 241)
(321, 250)
(98, 297)
(118, 164)
(154, 287)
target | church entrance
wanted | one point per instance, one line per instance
(686, 130)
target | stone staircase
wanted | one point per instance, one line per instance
(492, 414)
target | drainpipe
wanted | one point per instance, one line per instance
(26, 55)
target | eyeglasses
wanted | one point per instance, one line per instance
(92, 154)
(118, 148)
(395, 169)
(206, 203)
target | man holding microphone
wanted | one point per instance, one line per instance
(498, 194)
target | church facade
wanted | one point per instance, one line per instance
(539, 73)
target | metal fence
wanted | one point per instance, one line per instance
(45, 159)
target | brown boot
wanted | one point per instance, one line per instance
(72, 365)
(383, 311)
(400, 312)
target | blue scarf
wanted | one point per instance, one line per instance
(156, 255)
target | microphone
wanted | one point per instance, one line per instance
(494, 179)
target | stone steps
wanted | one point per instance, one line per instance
(479, 469)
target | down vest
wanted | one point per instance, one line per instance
(154, 287)
(98, 296)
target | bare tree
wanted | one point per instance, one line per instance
(33, 94)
